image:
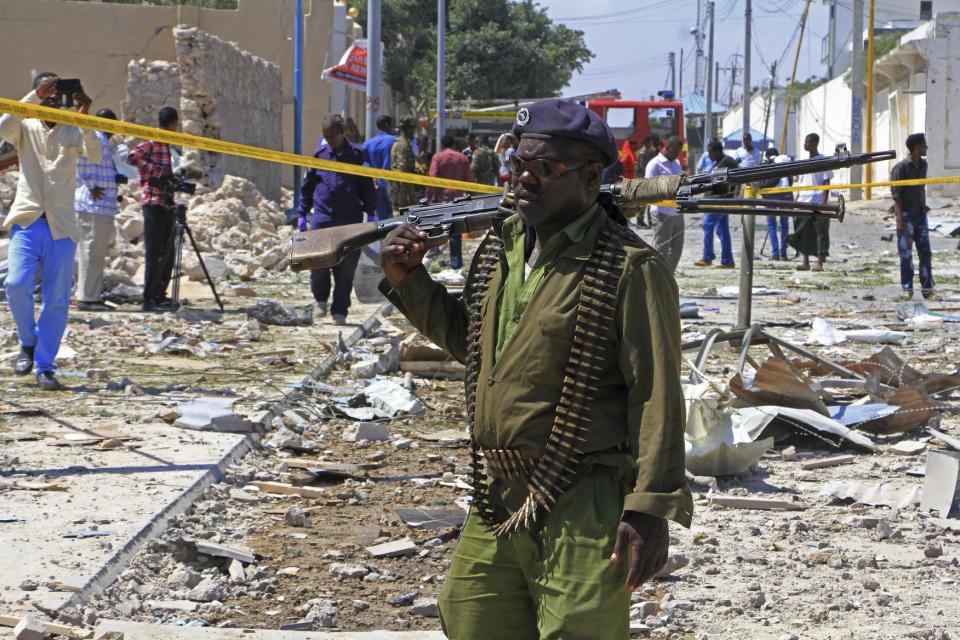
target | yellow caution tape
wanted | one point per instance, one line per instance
(477, 115)
(863, 185)
(59, 116)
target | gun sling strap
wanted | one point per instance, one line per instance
(556, 469)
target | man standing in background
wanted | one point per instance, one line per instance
(403, 194)
(450, 163)
(778, 227)
(152, 160)
(376, 153)
(336, 199)
(43, 225)
(667, 222)
(747, 155)
(96, 204)
(484, 163)
(719, 222)
(471, 141)
(910, 209)
(811, 236)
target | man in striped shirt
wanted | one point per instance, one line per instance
(96, 202)
(152, 160)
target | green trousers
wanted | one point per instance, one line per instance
(555, 584)
(811, 236)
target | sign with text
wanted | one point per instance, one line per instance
(352, 68)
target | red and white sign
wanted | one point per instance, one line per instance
(352, 68)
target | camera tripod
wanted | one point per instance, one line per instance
(183, 229)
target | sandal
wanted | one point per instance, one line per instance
(803, 267)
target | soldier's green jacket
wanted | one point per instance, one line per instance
(639, 401)
(402, 194)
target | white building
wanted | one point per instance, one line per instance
(916, 89)
(766, 114)
(837, 45)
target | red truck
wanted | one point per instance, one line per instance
(634, 120)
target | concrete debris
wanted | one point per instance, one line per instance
(296, 517)
(766, 504)
(874, 494)
(392, 398)
(823, 463)
(282, 315)
(825, 334)
(250, 330)
(351, 571)
(212, 414)
(941, 486)
(369, 431)
(432, 518)
(208, 590)
(909, 447)
(397, 548)
(425, 608)
(30, 629)
(242, 554)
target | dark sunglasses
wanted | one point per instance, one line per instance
(542, 168)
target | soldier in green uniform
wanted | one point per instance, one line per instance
(403, 194)
(484, 162)
(569, 327)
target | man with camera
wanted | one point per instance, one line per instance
(43, 222)
(152, 160)
(97, 204)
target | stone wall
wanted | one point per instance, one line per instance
(151, 84)
(229, 94)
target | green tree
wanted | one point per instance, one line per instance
(495, 49)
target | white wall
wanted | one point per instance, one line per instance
(733, 119)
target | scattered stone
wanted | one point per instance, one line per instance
(789, 454)
(208, 590)
(403, 600)
(644, 608)
(403, 547)
(236, 571)
(402, 444)
(250, 330)
(369, 431)
(365, 369)
(425, 608)
(29, 629)
(183, 578)
(243, 496)
(321, 614)
(674, 562)
(870, 583)
(342, 570)
(29, 585)
(295, 517)
(933, 551)
(756, 600)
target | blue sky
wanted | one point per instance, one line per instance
(631, 38)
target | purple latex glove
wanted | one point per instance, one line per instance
(302, 223)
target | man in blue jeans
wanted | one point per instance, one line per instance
(719, 222)
(336, 199)
(44, 230)
(376, 153)
(775, 224)
(910, 208)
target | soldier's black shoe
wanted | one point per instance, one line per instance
(24, 362)
(48, 382)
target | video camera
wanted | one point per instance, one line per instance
(174, 183)
(66, 88)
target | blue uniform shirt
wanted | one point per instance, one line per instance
(336, 198)
(376, 153)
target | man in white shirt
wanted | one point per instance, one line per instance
(667, 222)
(747, 155)
(43, 226)
(811, 236)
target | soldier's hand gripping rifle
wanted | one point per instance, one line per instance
(325, 248)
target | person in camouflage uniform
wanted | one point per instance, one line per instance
(403, 194)
(485, 163)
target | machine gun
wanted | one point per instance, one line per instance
(325, 248)
(720, 182)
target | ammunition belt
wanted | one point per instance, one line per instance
(508, 464)
(556, 469)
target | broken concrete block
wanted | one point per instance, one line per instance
(341, 570)
(208, 590)
(212, 414)
(909, 447)
(364, 370)
(295, 517)
(392, 398)
(29, 629)
(132, 229)
(404, 547)
(370, 431)
(250, 330)
(236, 571)
(425, 608)
(941, 487)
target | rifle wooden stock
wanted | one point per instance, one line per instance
(325, 248)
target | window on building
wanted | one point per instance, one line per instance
(926, 9)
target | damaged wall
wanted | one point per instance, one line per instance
(229, 94)
(151, 85)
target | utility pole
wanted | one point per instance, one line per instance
(747, 94)
(856, 101)
(770, 100)
(441, 69)
(673, 72)
(733, 83)
(374, 56)
(716, 82)
(297, 93)
(748, 223)
(698, 60)
(793, 76)
(708, 98)
(868, 174)
(679, 95)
